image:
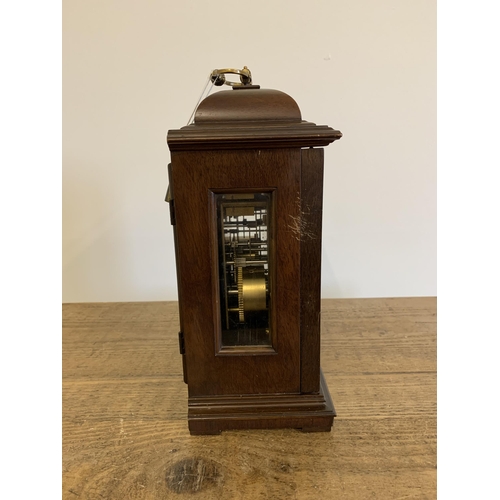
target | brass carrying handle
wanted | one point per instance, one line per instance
(218, 77)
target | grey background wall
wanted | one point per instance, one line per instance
(132, 70)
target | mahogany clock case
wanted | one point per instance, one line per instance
(251, 143)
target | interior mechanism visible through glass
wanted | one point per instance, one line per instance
(243, 238)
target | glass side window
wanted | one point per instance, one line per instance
(244, 221)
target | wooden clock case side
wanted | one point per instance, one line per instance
(274, 129)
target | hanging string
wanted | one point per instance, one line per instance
(191, 118)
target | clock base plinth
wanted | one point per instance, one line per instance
(307, 412)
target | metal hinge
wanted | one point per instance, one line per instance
(182, 347)
(170, 201)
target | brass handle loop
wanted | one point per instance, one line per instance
(218, 77)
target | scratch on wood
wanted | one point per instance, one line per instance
(191, 475)
(299, 224)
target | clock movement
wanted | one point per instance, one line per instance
(245, 194)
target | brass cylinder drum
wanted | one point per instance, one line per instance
(254, 289)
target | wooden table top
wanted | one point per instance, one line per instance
(125, 433)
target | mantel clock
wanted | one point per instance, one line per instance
(245, 194)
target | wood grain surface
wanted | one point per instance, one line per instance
(125, 433)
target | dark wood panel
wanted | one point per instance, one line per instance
(310, 229)
(195, 177)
